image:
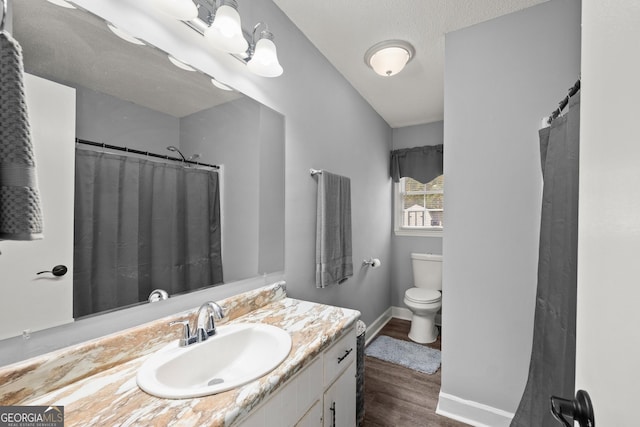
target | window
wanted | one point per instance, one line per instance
(419, 207)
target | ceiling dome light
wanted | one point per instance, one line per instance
(225, 31)
(389, 57)
(220, 85)
(183, 10)
(264, 61)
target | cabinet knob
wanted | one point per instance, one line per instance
(58, 270)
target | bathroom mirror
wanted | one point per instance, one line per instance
(132, 95)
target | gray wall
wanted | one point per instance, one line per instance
(104, 118)
(227, 135)
(328, 126)
(247, 139)
(403, 246)
(272, 170)
(418, 135)
(501, 78)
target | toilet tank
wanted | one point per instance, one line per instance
(427, 271)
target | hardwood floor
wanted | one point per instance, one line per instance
(398, 396)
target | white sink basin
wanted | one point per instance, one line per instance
(236, 355)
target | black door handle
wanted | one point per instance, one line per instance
(579, 409)
(58, 270)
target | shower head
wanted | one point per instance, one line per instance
(174, 149)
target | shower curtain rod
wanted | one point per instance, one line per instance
(144, 153)
(572, 91)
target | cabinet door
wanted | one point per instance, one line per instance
(313, 418)
(340, 400)
(338, 357)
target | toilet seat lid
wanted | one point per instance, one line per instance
(423, 295)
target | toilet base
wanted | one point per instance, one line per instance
(423, 329)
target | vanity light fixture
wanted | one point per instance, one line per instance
(225, 32)
(220, 85)
(219, 21)
(389, 57)
(62, 3)
(183, 10)
(124, 35)
(263, 57)
(180, 64)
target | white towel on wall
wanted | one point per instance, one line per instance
(333, 230)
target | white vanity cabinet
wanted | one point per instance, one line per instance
(321, 395)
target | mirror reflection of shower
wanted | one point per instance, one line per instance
(191, 158)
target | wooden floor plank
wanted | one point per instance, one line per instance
(396, 396)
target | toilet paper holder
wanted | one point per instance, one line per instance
(371, 262)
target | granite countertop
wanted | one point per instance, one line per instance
(110, 396)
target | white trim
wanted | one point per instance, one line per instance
(401, 313)
(405, 314)
(398, 230)
(377, 325)
(420, 232)
(473, 413)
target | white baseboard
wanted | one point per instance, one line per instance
(405, 314)
(377, 324)
(473, 413)
(401, 313)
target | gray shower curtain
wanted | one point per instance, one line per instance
(140, 225)
(552, 366)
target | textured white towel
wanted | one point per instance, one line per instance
(333, 230)
(20, 211)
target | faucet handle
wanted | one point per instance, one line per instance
(219, 313)
(186, 332)
(213, 311)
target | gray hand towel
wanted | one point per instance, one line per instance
(20, 211)
(333, 230)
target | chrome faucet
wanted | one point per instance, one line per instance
(206, 316)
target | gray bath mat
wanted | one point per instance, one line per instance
(404, 353)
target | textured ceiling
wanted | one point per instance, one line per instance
(344, 30)
(74, 47)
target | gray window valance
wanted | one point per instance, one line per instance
(420, 163)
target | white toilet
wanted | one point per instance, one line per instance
(425, 299)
